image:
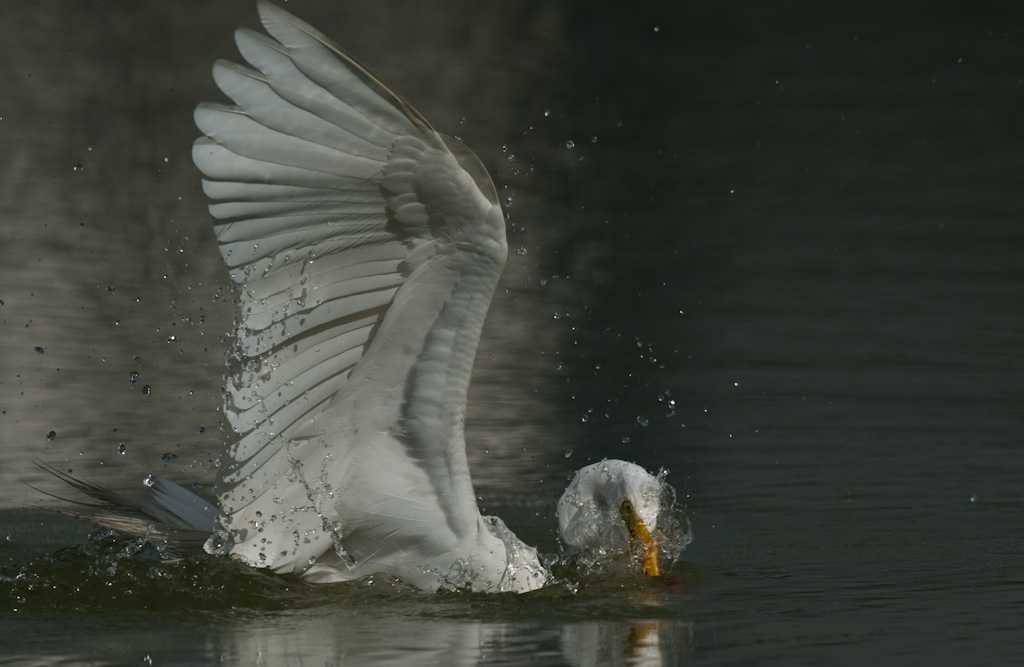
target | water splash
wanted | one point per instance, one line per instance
(115, 572)
(672, 533)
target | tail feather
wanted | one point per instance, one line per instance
(167, 512)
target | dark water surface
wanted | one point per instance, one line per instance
(778, 251)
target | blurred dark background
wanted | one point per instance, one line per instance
(735, 229)
(776, 249)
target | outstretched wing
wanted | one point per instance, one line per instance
(366, 247)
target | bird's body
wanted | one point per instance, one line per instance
(366, 247)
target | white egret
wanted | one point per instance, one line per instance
(367, 247)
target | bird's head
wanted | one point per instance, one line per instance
(613, 506)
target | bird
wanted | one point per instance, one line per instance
(365, 247)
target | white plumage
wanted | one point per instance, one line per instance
(367, 252)
(366, 247)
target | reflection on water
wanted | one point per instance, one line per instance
(326, 637)
(581, 644)
(641, 643)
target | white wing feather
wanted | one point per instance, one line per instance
(367, 247)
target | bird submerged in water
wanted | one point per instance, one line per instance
(367, 247)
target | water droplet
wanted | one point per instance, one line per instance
(133, 379)
(137, 359)
(111, 290)
(147, 390)
(168, 457)
(122, 448)
(521, 250)
(52, 435)
(570, 144)
(640, 419)
(625, 439)
(149, 480)
(172, 338)
(568, 453)
(201, 429)
(40, 350)
(585, 418)
(78, 167)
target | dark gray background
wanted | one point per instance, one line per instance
(776, 250)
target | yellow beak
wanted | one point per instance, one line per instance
(641, 541)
